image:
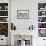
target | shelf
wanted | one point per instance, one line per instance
(42, 19)
(41, 10)
(3, 16)
(3, 10)
(3, 22)
(4, 19)
(41, 22)
(42, 16)
(41, 28)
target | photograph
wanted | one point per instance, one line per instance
(23, 14)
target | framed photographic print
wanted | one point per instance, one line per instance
(23, 14)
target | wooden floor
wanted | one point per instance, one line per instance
(3, 45)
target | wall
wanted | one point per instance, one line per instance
(23, 24)
(32, 6)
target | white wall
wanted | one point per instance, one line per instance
(23, 24)
(32, 6)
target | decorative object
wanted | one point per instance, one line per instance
(42, 25)
(23, 14)
(31, 27)
(42, 32)
(4, 29)
(0, 7)
(41, 19)
(43, 13)
(6, 7)
(3, 19)
(24, 37)
(41, 6)
(23, 40)
(13, 27)
(3, 13)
